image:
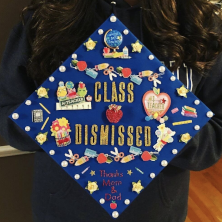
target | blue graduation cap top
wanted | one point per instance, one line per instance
(113, 116)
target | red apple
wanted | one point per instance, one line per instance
(101, 158)
(106, 50)
(113, 205)
(146, 156)
(81, 85)
(81, 65)
(126, 72)
(114, 113)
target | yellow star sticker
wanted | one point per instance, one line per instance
(92, 187)
(137, 187)
(137, 47)
(92, 173)
(182, 91)
(129, 172)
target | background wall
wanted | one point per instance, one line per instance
(15, 171)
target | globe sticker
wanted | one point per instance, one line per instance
(113, 39)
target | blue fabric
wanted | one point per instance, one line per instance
(133, 115)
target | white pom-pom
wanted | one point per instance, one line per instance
(15, 116)
(113, 18)
(62, 68)
(64, 163)
(164, 163)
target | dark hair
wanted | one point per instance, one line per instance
(185, 31)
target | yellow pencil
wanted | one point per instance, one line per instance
(44, 108)
(43, 126)
(182, 122)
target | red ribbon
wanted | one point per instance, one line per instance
(63, 141)
(163, 142)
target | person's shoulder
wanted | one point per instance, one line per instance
(22, 26)
(18, 46)
(217, 66)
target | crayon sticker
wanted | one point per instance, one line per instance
(189, 111)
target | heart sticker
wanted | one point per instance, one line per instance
(156, 105)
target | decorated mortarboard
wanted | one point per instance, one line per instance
(112, 116)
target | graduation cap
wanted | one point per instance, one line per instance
(113, 116)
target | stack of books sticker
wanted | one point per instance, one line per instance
(189, 112)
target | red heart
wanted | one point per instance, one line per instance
(101, 158)
(146, 156)
(153, 103)
(126, 72)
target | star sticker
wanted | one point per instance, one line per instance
(137, 187)
(137, 47)
(92, 173)
(92, 186)
(119, 38)
(129, 172)
(182, 91)
(163, 100)
(90, 44)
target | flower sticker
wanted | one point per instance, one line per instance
(42, 92)
(60, 129)
(41, 138)
(182, 91)
(90, 44)
(137, 187)
(63, 121)
(164, 135)
(161, 127)
(137, 47)
(185, 137)
(92, 187)
(56, 127)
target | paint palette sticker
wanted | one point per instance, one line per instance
(112, 116)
